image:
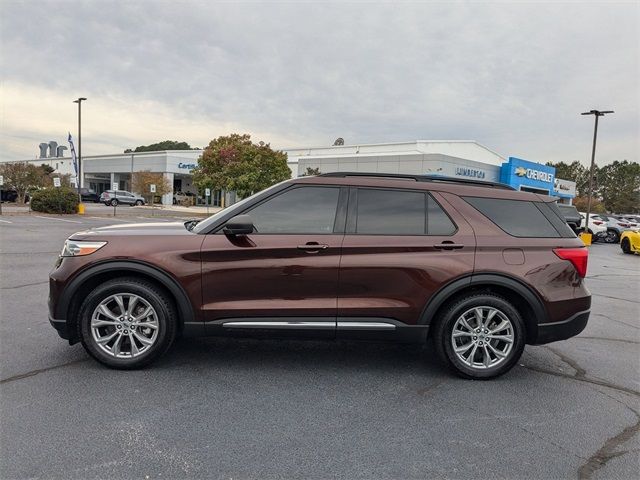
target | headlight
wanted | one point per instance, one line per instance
(78, 248)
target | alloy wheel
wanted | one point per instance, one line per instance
(482, 337)
(124, 325)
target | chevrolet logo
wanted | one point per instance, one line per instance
(521, 172)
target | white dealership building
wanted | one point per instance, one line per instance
(460, 159)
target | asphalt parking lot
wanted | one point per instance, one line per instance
(218, 408)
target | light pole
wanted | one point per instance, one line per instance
(79, 102)
(597, 114)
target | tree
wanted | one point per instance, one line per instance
(160, 146)
(616, 186)
(235, 163)
(619, 186)
(142, 181)
(310, 172)
(21, 177)
(581, 204)
(47, 169)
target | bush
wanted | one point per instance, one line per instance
(55, 200)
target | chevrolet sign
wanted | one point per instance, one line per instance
(534, 174)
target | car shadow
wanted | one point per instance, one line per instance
(302, 355)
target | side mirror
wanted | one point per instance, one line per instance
(239, 225)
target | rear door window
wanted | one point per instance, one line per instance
(438, 222)
(399, 212)
(521, 218)
(390, 212)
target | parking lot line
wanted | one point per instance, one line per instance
(111, 219)
(5, 221)
(60, 219)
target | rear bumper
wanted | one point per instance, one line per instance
(572, 326)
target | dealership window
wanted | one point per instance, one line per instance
(541, 191)
(298, 210)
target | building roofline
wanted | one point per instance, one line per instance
(85, 157)
(408, 142)
(155, 152)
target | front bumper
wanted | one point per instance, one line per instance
(61, 327)
(572, 326)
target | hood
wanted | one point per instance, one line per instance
(134, 229)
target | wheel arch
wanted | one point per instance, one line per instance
(72, 296)
(521, 296)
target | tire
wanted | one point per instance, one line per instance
(625, 245)
(139, 203)
(612, 237)
(477, 368)
(114, 203)
(149, 343)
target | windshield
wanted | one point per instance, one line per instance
(207, 222)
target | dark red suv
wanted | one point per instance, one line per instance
(475, 267)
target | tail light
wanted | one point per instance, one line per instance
(577, 256)
(595, 222)
(625, 225)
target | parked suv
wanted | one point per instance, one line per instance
(115, 197)
(476, 268)
(571, 216)
(88, 195)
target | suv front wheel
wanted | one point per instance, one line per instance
(480, 337)
(126, 323)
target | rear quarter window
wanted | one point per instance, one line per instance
(523, 218)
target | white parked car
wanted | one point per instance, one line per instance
(596, 224)
(613, 227)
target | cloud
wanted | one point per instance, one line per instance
(512, 76)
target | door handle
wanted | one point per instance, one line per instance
(312, 247)
(447, 245)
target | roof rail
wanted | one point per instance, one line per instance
(421, 178)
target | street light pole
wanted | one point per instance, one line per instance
(79, 102)
(597, 114)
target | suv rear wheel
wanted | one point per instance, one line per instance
(126, 323)
(481, 336)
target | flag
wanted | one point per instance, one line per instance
(73, 154)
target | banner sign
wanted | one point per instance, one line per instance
(73, 154)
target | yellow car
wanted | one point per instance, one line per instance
(630, 241)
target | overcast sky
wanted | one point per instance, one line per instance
(512, 76)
